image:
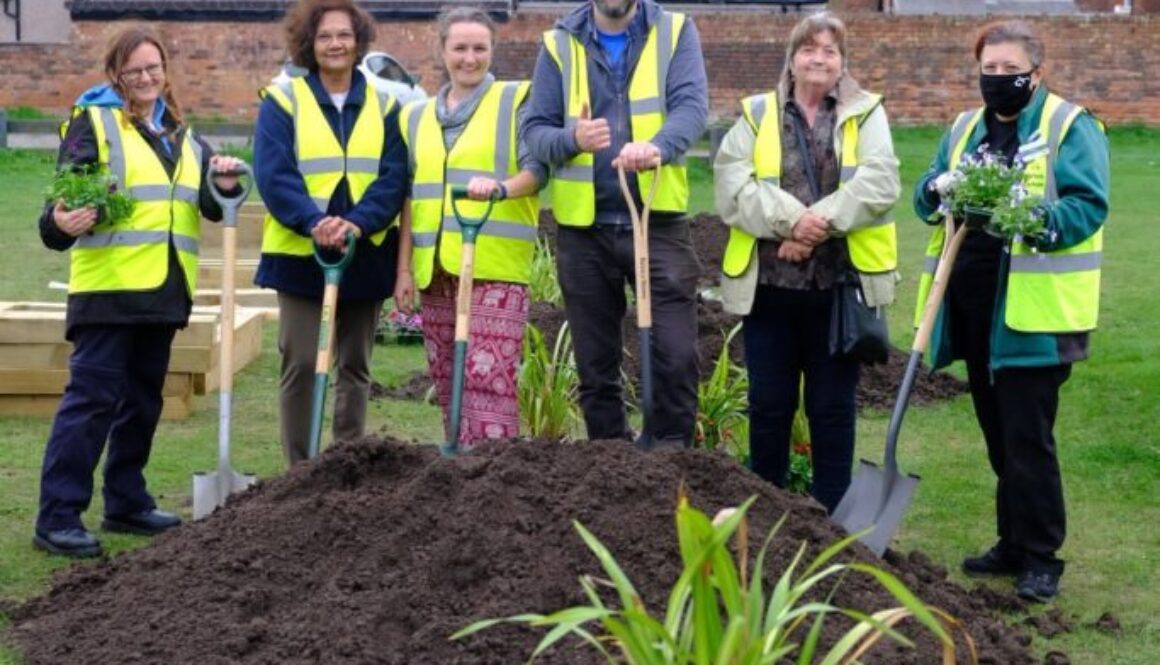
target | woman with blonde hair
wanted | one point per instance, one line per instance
(131, 285)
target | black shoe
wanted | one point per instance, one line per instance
(994, 561)
(77, 543)
(1038, 586)
(147, 523)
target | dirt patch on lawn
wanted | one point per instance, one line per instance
(379, 550)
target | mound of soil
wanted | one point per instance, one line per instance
(379, 550)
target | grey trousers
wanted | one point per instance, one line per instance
(354, 340)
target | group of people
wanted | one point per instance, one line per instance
(806, 180)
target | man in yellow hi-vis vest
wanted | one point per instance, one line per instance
(1019, 311)
(328, 160)
(622, 83)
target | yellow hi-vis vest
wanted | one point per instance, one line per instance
(134, 256)
(872, 248)
(322, 161)
(1047, 292)
(572, 191)
(487, 147)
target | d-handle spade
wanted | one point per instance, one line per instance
(643, 299)
(211, 490)
(332, 275)
(879, 496)
(469, 228)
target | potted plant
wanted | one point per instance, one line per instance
(91, 187)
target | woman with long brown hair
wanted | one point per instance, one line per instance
(131, 286)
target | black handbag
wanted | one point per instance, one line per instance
(857, 331)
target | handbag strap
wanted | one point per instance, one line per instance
(803, 147)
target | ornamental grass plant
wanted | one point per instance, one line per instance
(719, 611)
(723, 403)
(548, 385)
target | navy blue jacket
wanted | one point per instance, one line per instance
(686, 92)
(371, 275)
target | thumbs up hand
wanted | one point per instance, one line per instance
(592, 135)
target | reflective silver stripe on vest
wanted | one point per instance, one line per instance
(930, 264)
(960, 128)
(564, 51)
(574, 172)
(497, 229)
(122, 239)
(1054, 139)
(136, 239)
(427, 190)
(113, 140)
(463, 176)
(664, 57)
(322, 203)
(503, 130)
(413, 132)
(424, 239)
(362, 165)
(159, 193)
(757, 110)
(317, 165)
(1055, 263)
(185, 243)
(773, 180)
(287, 87)
(646, 105)
(847, 173)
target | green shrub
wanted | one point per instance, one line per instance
(91, 188)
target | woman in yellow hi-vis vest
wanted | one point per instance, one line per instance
(806, 180)
(1019, 312)
(328, 161)
(131, 284)
(468, 135)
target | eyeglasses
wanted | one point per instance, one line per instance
(136, 75)
(325, 37)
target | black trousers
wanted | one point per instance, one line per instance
(594, 264)
(1016, 409)
(787, 341)
(113, 396)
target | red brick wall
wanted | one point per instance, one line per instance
(922, 64)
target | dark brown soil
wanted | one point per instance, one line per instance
(380, 550)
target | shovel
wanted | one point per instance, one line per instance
(878, 496)
(211, 490)
(332, 274)
(643, 301)
(469, 228)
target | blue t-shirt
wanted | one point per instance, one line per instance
(615, 46)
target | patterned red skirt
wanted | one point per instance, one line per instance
(499, 313)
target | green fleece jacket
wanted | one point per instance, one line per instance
(1083, 180)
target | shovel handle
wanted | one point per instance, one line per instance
(231, 204)
(332, 270)
(640, 244)
(468, 226)
(951, 244)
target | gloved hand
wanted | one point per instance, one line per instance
(945, 183)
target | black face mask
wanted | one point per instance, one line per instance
(1006, 94)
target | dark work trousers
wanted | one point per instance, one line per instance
(1016, 408)
(593, 265)
(354, 341)
(113, 394)
(787, 338)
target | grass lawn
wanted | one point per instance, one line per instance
(1109, 450)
